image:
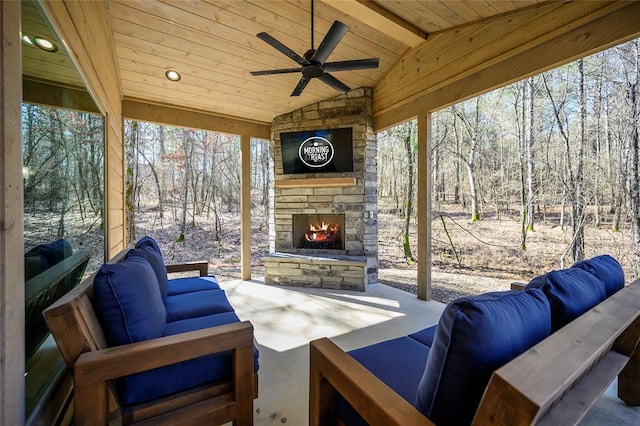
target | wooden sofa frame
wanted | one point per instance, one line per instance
(79, 336)
(555, 382)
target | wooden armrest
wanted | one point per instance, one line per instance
(332, 370)
(93, 370)
(98, 366)
(201, 266)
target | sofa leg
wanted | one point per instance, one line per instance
(244, 383)
(90, 405)
(628, 384)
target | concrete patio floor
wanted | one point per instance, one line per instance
(286, 319)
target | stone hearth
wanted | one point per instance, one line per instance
(350, 195)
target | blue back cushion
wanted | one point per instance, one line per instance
(153, 256)
(475, 336)
(148, 241)
(128, 303)
(571, 293)
(607, 269)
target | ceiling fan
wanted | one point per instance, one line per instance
(312, 63)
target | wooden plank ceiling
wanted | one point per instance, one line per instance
(213, 45)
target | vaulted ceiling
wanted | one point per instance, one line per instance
(213, 45)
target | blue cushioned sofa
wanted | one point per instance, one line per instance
(442, 373)
(149, 348)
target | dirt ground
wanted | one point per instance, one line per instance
(468, 257)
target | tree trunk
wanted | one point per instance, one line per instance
(408, 133)
(577, 247)
(529, 101)
(130, 183)
(632, 90)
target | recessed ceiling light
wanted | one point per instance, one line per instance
(45, 44)
(173, 75)
(27, 40)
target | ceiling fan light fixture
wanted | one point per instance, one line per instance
(172, 75)
(45, 44)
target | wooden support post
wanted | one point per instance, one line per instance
(11, 238)
(424, 207)
(245, 208)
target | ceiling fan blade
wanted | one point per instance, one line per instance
(300, 87)
(334, 82)
(357, 64)
(282, 48)
(330, 41)
(280, 71)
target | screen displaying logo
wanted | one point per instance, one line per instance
(316, 152)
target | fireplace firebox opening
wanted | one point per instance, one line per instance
(318, 231)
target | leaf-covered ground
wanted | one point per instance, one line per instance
(468, 257)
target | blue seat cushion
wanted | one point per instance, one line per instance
(128, 303)
(398, 363)
(425, 336)
(475, 336)
(164, 381)
(196, 304)
(607, 269)
(153, 256)
(191, 284)
(571, 292)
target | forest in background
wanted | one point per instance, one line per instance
(559, 149)
(526, 178)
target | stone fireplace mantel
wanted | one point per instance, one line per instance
(316, 182)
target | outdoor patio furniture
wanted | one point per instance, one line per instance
(471, 373)
(151, 349)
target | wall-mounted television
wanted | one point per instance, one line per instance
(317, 151)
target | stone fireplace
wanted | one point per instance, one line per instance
(324, 229)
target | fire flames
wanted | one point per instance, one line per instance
(324, 232)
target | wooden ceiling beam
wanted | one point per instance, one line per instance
(164, 114)
(377, 17)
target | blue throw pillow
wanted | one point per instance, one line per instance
(128, 303)
(476, 336)
(153, 256)
(571, 293)
(607, 269)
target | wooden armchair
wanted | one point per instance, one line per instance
(94, 366)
